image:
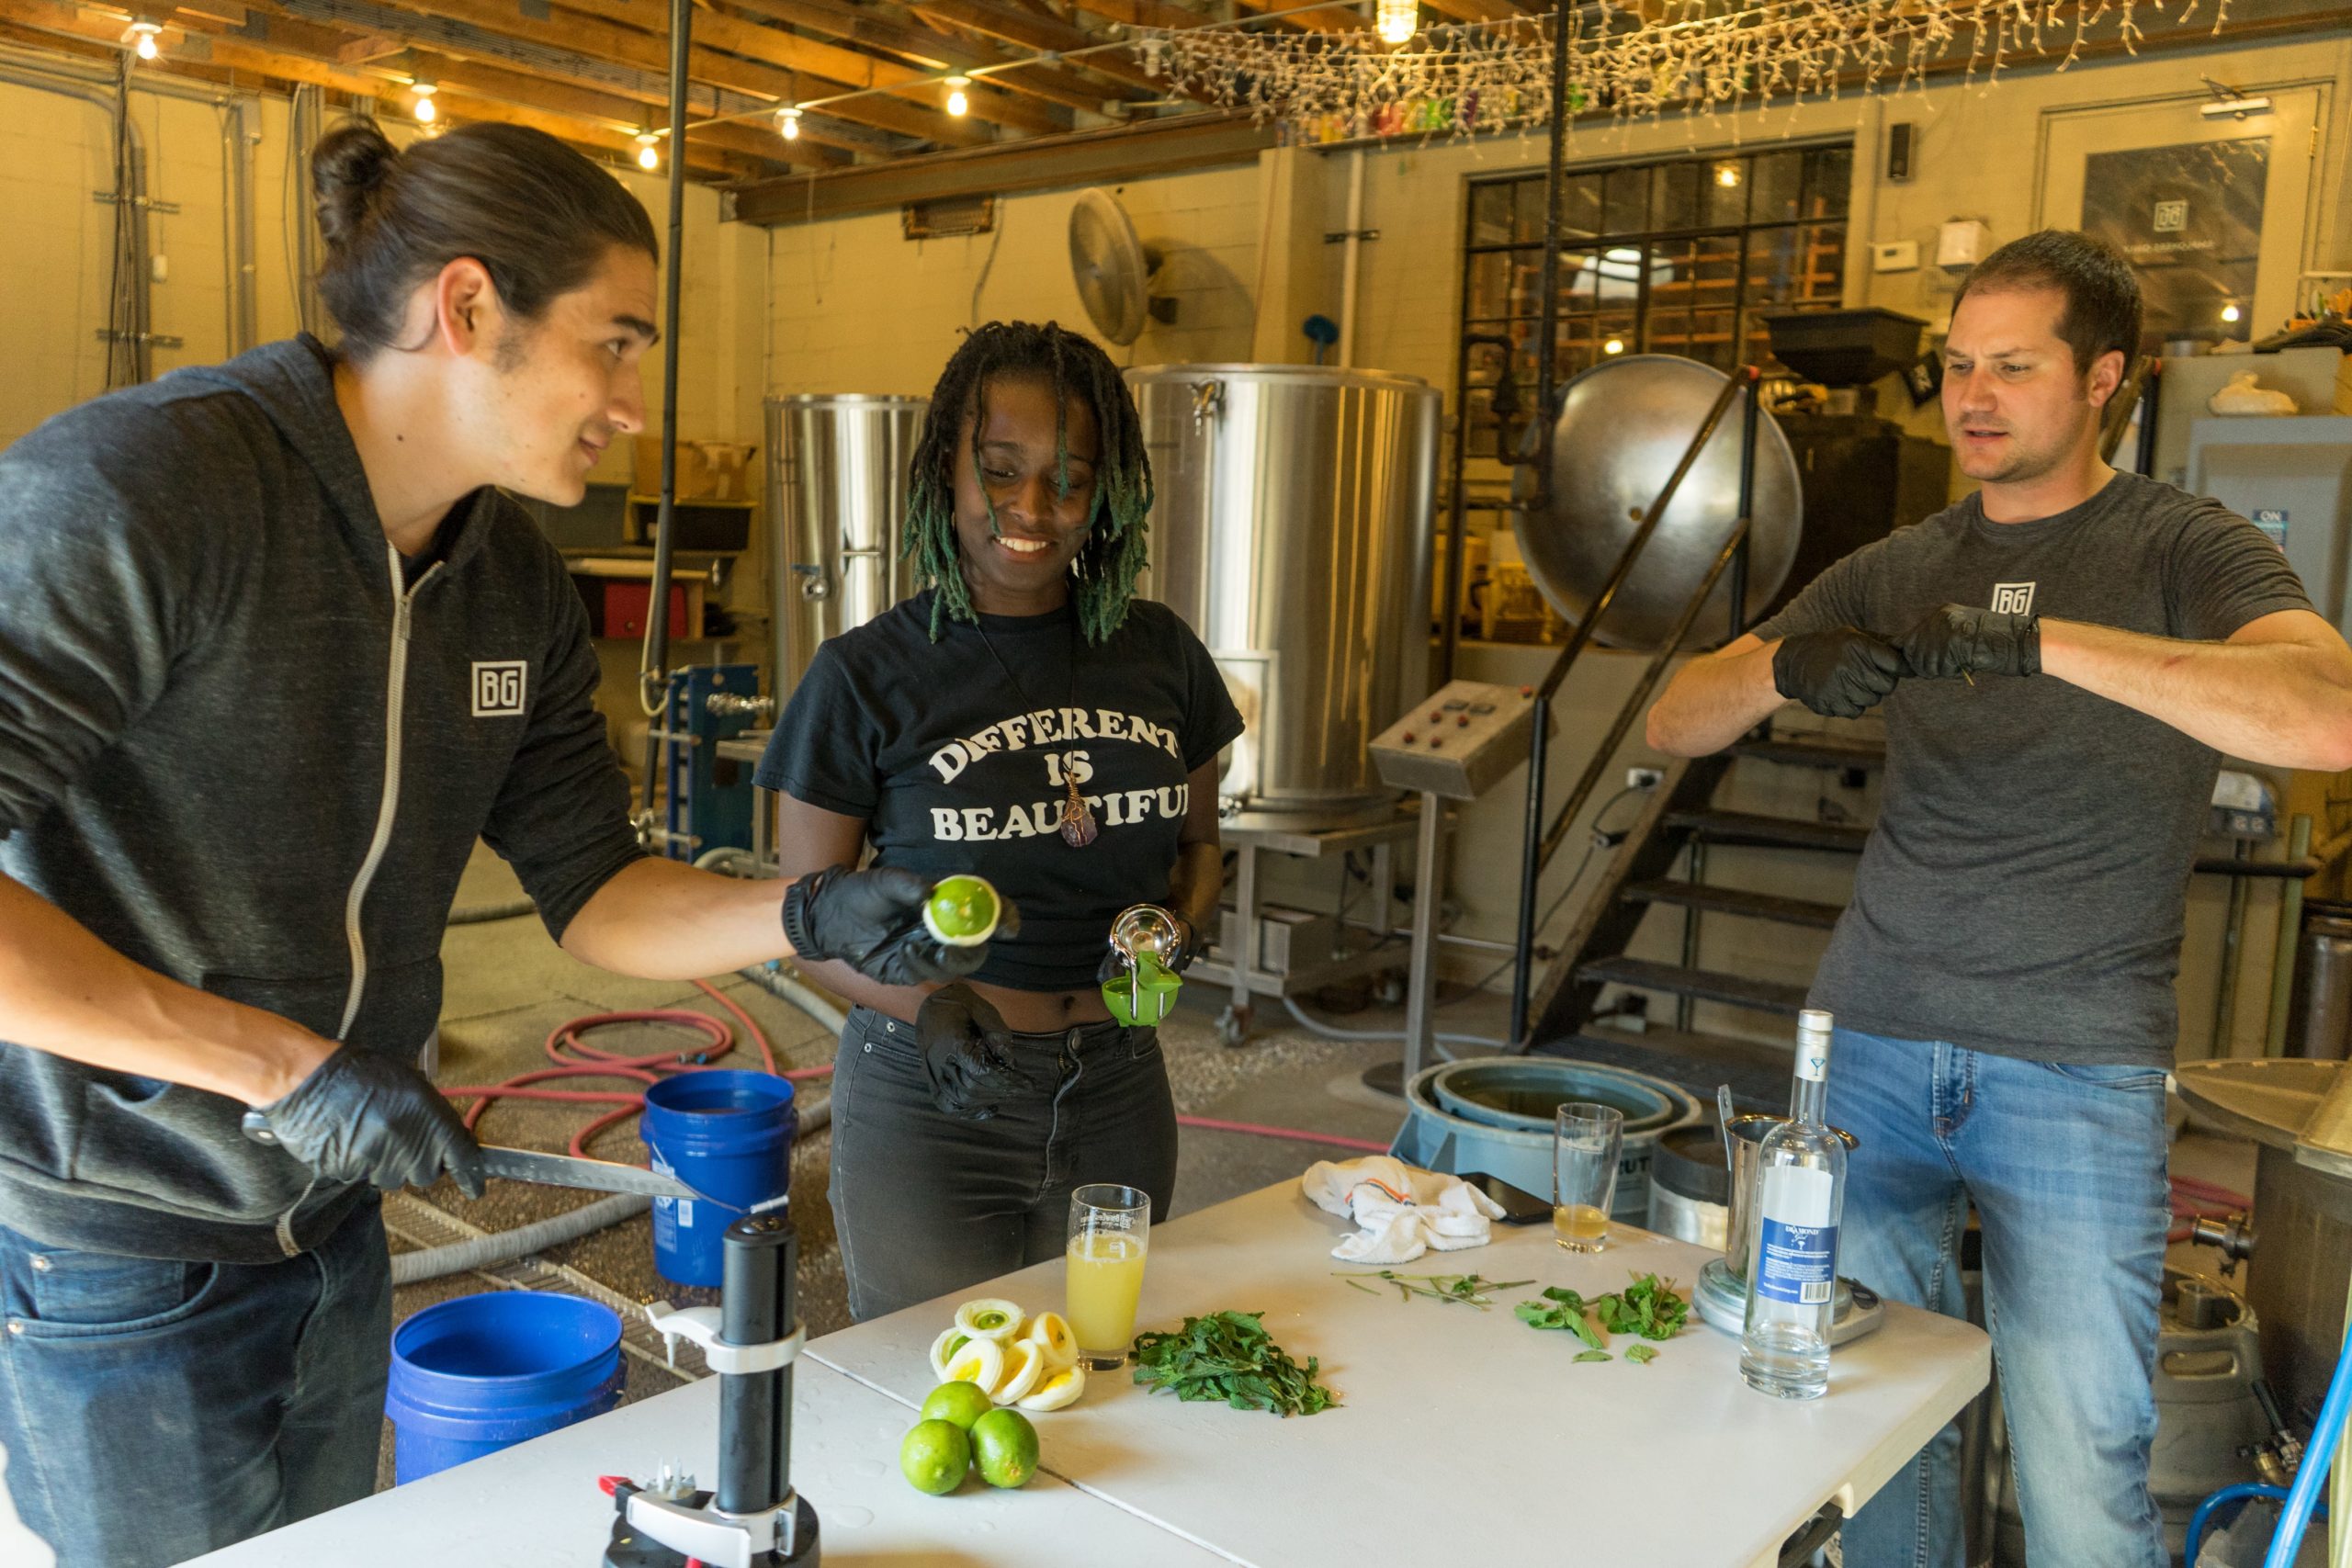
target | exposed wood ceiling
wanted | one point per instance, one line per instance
(594, 73)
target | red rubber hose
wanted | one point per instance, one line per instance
(575, 1058)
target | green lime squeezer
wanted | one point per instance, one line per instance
(1145, 937)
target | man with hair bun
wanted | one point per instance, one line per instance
(2064, 657)
(278, 651)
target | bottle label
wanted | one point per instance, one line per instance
(1796, 1253)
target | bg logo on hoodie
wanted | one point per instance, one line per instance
(498, 688)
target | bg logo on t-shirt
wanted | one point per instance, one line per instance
(2013, 598)
(498, 688)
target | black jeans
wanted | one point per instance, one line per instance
(927, 1203)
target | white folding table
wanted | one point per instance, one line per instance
(1464, 1435)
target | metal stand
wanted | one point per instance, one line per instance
(1420, 985)
(1357, 948)
(753, 1518)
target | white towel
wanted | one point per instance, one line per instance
(1401, 1211)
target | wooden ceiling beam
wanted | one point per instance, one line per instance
(755, 139)
(572, 32)
(225, 51)
(297, 35)
(848, 67)
(463, 40)
(1031, 30)
(1092, 157)
(921, 44)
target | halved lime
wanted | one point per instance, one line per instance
(961, 911)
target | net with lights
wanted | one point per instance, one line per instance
(1460, 79)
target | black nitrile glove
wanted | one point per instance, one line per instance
(872, 921)
(1957, 641)
(1840, 673)
(364, 1117)
(971, 1073)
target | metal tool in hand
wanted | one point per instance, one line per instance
(548, 1170)
(1141, 929)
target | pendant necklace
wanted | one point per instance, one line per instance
(1078, 828)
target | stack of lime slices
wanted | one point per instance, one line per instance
(1012, 1358)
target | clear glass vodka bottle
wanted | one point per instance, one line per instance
(1792, 1272)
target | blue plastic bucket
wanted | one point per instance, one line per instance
(727, 1134)
(482, 1373)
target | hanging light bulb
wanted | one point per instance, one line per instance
(649, 151)
(1727, 175)
(787, 122)
(1614, 346)
(1397, 20)
(2231, 312)
(957, 104)
(426, 111)
(141, 38)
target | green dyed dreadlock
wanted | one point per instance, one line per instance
(1073, 365)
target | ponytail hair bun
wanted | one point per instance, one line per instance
(348, 169)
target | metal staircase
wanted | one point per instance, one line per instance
(1680, 822)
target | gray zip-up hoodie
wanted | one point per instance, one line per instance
(235, 746)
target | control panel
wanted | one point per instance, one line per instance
(1457, 741)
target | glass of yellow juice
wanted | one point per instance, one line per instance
(1587, 1140)
(1110, 1228)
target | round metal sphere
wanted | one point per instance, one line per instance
(1623, 425)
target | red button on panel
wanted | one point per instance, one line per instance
(1436, 718)
(1408, 737)
(1464, 721)
(1436, 741)
(1527, 691)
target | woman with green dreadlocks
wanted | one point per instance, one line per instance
(1027, 719)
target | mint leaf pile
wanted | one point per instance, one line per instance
(1649, 1307)
(1229, 1356)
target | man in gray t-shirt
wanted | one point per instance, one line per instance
(2064, 658)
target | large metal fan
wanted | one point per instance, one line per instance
(1113, 269)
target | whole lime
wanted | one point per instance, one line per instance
(961, 911)
(1005, 1448)
(961, 1403)
(934, 1456)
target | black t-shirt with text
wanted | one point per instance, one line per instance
(955, 753)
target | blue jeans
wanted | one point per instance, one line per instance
(154, 1411)
(926, 1202)
(2066, 1166)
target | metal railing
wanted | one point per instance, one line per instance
(1543, 840)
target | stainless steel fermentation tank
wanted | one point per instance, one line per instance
(1292, 533)
(837, 497)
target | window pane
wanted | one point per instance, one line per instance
(1711, 338)
(1626, 207)
(1776, 178)
(1821, 276)
(1490, 284)
(1829, 180)
(1528, 228)
(1579, 206)
(1675, 199)
(1725, 190)
(1490, 214)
